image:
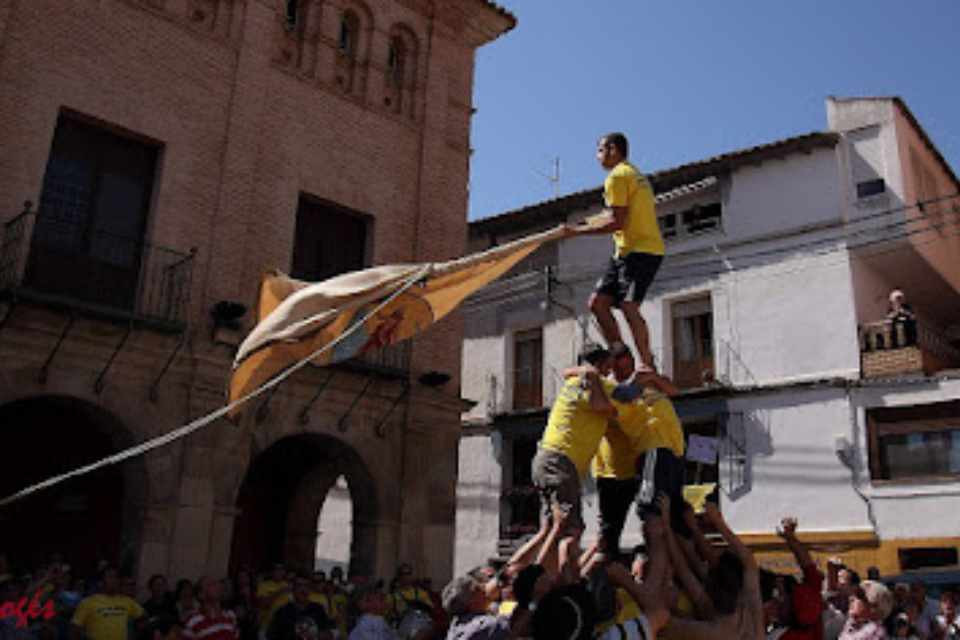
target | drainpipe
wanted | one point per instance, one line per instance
(845, 451)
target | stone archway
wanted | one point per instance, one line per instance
(281, 497)
(90, 518)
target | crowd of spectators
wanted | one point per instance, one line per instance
(688, 586)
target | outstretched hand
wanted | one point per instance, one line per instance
(663, 503)
(712, 513)
(787, 528)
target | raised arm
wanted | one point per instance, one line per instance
(707, 551)
(788, 531)
(735, 543)
(599, 401)
(681, 569)
(528, 552)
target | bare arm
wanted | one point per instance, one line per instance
(736, 544)
(706, 550)
(688, 581)
(522, 556)
(599, 401)
(607, 221)
(645, 595)
(788, 531)
(548, 555)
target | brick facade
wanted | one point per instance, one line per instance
(252, 111)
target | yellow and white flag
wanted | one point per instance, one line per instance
(375, 308)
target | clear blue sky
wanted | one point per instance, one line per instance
(687, 79)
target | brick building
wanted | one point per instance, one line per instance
(172, 151)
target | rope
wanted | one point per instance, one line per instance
(203, 421)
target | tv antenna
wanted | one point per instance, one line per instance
(554, 176)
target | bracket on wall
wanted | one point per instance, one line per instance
(264, 409)
(42, 377)
(98, 385)
(156, 383)
(380, 429)
(342, 422)
(305, 412)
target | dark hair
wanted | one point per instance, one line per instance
(619, 141)
(620, 350)
(158, 624)
(181, 583)
(593, 354)
(154, 578)
(567, 612)
(854, 577)
(724, 582)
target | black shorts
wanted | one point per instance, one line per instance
(628, 278)
(661, 471)
(614, 498)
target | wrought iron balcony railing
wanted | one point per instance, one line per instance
(67, 263)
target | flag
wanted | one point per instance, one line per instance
(351, 314)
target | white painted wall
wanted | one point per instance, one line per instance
(478, 502)
(906, 510)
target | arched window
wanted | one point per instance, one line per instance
(349, 34)
(401, 71)
(396, 61)
(292, 14)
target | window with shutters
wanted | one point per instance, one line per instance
(528, 369)
(329, 240)
(693, 361)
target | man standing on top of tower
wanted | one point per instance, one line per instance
(638, 246)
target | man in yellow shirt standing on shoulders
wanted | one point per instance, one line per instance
(105, 615)
(577, 422)
(638, 246)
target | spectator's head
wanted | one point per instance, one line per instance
(918, 592)
(157, 586)
(623, 364)
(948, 605)
(873, 573)
(531, 584)
(426, 584)
(368, 598)
(209, 590)
(871, 600)
(776, 592)
(161, 628)
(301, 589)
(243, 582)
(897, 298)
(184, 591)
(464, 595)
(278, 573)
(319, 578)
(128, 586)
(336, 575)
(612, 149)
(566, 612)
(847, 581)
(597, 357)
(405, 577)
(110, 580)
(724, 582)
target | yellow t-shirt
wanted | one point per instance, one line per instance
(267, 591)
(400, 598)
(573, 428)
(627, 187)
(506, 608)
(104, 617)
(653, 425)
(320, 599)
(616, 456)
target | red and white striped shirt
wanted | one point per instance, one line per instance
(201, 626)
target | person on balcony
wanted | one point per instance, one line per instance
(900, 314)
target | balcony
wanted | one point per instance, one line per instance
(65, 264)
(890, 348)
(392, 361)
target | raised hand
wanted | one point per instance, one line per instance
(787, 528)
(663, 503)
